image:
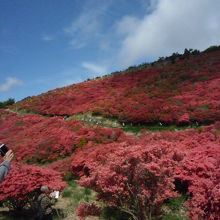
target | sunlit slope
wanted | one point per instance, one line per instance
(183, 92)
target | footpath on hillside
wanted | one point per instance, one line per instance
(129, 128)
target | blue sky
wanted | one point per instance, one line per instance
(46, 44)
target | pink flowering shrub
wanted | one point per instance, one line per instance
(184, 119)
(62, 166)
(19, 188)
(200, 170)
(85, 209)
(134, 179)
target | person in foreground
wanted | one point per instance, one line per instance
(45, 203)
(5, 165)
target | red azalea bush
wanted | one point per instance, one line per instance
(85, 209)
(134, 179)
(184, 119)
(62, 166)
(200, 170)
(20, 187)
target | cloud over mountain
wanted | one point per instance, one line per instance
(171, 26)
(94, 68)
(10, 83)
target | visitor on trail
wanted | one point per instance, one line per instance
(65, 117)
(5, 165)
(44, 204)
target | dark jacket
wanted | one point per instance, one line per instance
(4, 169)
(45, 204)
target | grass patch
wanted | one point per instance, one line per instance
(76, 194)
(174, 210)
(72, 183)
(67, 193)
(136, 129)
(176, 203)
(19, 123)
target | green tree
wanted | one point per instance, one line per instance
(10, 101)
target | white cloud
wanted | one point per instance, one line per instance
(87, 26)
(94, 68)
(85, 23)
(127, 25)
(170, 27)
(47, 38)
(10, 83)
(75, 44)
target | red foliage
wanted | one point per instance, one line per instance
(62, 166)
(189, 87)
(128, 173)
(21, 183)
(135, 179)
(184, 119)
(35, 138)
(200, 169)
(85, 209)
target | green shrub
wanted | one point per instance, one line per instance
(10, 101)
(211, 49)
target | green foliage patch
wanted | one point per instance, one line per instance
(10, 101)
(136, 129)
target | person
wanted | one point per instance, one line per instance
(44, 204)
(5, 165)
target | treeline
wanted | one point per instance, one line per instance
(164, 61)
(10, 101)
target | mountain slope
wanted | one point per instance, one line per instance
(183, 92)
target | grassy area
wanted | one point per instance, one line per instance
(77, 193)
(73, 194)
(154, 128)
(173, 209)
(114, 123)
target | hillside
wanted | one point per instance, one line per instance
(183, 92)
(120, 168)
(70, 139)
